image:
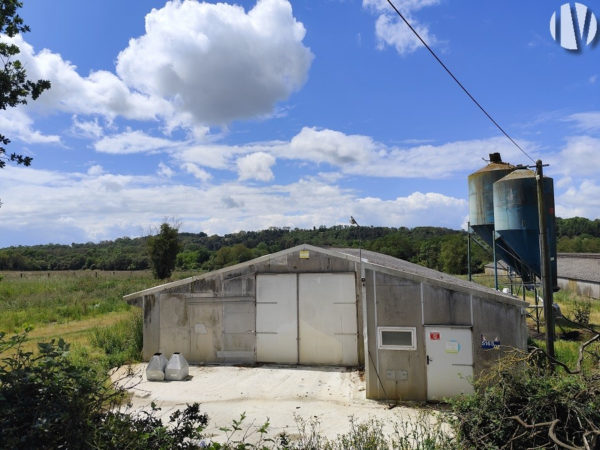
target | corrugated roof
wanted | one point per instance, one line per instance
(403, 266)
(369, 258)
(572, 266)
(584, 267)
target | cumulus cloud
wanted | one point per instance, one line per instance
(197, 65)
(132, 142)
(333, 147)
(101, 92)
(582, 199)
(357, 155)
(196, 171)
(351, 155)
(217, 62)
(256, 166)
(89, 129)
(391, 30)
(579, 157)
(99, 205)
(16, 124)
(164, 170)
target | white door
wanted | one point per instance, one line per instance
(276, 319)
(327, 319)
(449, 362)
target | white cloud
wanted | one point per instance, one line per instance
(216, 62)
(16, 124)
(101, 92)
(361, 155)
(164, 170)
(391, 30)
(196, 171)
(354, 155)
(99, 205)
(581, 200)
(579, 158)
(256, 166)
(198, 64)
(586, 121)
(333, 147)
(95, 170)
(132, 142)
(89, 129)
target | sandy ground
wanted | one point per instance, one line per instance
(277, 393)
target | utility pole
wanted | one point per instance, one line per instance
(495, 260)
(545, 260)
(469, 250)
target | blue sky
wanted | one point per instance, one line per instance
(246, 115)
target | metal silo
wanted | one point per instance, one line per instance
(517, 221)
(481, 197)
(481, 209)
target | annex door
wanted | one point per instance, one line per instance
(449, 361)
(327, 319)
(277, 319)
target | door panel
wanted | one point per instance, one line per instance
(276, 319)
(449, 362)
(327, 319)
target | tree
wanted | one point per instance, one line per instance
(15, 88)
(163, 250)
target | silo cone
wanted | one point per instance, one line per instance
(177, 369)
(155, 371)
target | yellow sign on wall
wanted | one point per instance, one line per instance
(304, 254)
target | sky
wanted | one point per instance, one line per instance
(273, 113)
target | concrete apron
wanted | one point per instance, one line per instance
(279, 394)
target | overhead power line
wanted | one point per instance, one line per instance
(466, 91)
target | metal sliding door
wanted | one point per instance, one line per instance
(328, 321)
(277, 319)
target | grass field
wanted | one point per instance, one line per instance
(85, 308)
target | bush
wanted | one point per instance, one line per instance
(521, 404)
(581, 312)
(48, 402)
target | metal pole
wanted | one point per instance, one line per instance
(495, 260)
(469, 250)
(545, 260)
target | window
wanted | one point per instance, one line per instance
(396, 338)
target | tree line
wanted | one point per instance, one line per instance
(438, 248)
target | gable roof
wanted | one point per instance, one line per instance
(370, 260)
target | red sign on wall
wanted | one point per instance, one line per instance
(434, 336)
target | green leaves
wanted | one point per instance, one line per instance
(15, 88)
(163, 249)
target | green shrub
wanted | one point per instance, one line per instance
(48, 402)
(581, 312)
(521, 404)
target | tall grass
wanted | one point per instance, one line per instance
(121, 342)
(41, 298)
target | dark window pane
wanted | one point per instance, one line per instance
(396, 338)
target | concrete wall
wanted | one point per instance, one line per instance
(392, 300)
(584, 288)
(212, 318)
